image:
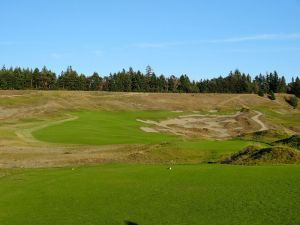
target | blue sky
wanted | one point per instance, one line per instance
(202, 39)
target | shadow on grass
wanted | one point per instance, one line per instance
(130, 222)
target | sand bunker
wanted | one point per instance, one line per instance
(212, 126)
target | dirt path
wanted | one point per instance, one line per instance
(26, 133)
(257, 120)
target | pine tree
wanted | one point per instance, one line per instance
(296, 87)
(272, 96)
(260, 93)
(294, 102)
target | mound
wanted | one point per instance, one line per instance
(273, 155)
(268, 136)
(293, 141)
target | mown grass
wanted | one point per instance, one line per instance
(144, 194)
(105, 128)
(108, 128)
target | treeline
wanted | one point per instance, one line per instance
(136, 81)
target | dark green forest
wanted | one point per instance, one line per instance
(136, 81)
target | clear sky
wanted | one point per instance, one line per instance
(200, 38)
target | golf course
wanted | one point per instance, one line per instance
(140, 158)
(144, 112)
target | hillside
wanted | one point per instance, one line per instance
(32, 123)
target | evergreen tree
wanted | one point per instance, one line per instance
(94, 82)
(294, 102)
(261, 93)
(129, 80)
(295, 89)
(272, 95)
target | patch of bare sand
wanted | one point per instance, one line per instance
(211, 126)
(149, 130)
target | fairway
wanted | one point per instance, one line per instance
(150, 113)
(147, 195)
(104, 128)
(111, 128)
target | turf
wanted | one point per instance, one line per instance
(144, 194)
(187, 194)
(108, 128)
(222, 146)
(105, 128)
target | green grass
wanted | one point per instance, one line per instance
(147, 195)
(100, 128)
(104, 128)
(226, 146)
(107, 128)
(214, 149)
(287, 119)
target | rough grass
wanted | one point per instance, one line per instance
(188, 151)
(288, 118)
(111, 194)
(213, 150)
(293, 141)
(271, 155)
(266, 136)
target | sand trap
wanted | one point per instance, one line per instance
(149, 130)
(212, 126)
